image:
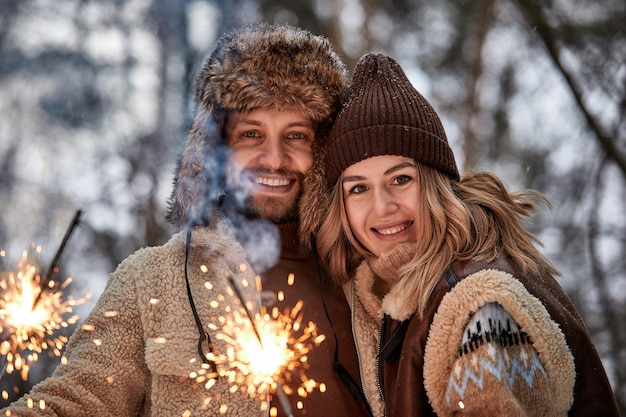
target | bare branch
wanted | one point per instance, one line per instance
(533, 12)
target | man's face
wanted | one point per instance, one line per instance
(270, 151)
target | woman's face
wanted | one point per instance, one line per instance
(381, 196)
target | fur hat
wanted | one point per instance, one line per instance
(260, 65)
(383, 115)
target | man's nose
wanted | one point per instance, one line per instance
(274, 155)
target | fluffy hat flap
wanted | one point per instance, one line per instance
(315, 198)
(260, 65)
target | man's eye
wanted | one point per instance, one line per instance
(297, 135)
(249, 134)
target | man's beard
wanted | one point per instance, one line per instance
(272, 208)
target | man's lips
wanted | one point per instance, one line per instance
(272, 182)
(277, 184)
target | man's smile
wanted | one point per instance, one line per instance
(272, 182)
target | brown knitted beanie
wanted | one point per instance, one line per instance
(385, 115)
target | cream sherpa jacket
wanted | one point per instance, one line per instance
(141, 341)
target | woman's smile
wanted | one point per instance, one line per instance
(394, 230)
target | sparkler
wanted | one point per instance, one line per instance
(32, 310)
(263, 351)
(57, 257)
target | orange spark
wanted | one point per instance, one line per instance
(258, 362)
(31, 315)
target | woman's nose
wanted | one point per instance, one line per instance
(384, 202)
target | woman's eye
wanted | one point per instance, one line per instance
(357, 189)
(402, 179)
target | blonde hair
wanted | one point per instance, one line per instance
(475, 218)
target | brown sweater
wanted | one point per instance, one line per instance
(299, 261)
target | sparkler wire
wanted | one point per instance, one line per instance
(57, 256)
(282, 397)
(245, 307)
(4, 368)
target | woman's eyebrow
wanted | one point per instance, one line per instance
(389, 171)
(353, 178)
(399, 167)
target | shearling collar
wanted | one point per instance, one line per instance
(219, 232)
(363, 287)
(398, 303)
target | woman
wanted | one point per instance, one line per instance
(454, 309)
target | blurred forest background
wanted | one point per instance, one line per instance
(96, 95)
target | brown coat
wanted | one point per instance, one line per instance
(418, 357)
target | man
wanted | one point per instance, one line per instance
(155, 342)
